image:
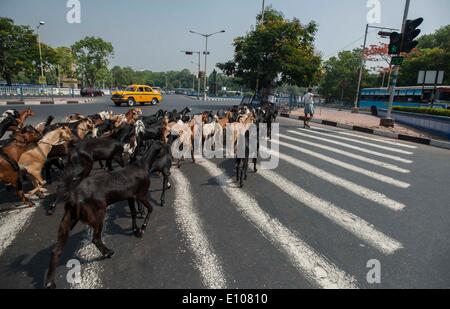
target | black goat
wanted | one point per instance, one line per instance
(83, 154)
(89, 201)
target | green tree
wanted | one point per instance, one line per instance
(65, 61)
(340, 78)
(275, 52)
(18, 49)
(432, 53)
(438, 39)
(424, 59)
(92, 56)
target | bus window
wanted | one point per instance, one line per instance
(444, 96)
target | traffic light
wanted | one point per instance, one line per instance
(394, 44)
(411, 32)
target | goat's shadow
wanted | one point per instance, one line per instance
(36, 267)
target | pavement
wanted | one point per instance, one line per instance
(338, 203)
(46, 101)
(363, 120)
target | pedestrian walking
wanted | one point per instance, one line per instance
(308, 99)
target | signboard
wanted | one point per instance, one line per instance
(430, 78)
(42, 80)
(397, 60)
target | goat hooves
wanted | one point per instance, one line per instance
(138, 233)
(163, 203)
(50, 285)
(108, 254)
(40, 195)
(50, 212)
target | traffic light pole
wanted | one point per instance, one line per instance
(361, 70)
(363, 65)
(388, 121)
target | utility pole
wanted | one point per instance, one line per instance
(388, 121)
(206, 36)
(263, 10)
(361, 70)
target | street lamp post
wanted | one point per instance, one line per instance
(40, 50)
(206, 36)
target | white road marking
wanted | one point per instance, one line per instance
(379, 140)
(358, 142)
(92, 267)
(310, 263)
(363, 192)
(12, 224)
(207, 262)
(353, 168)
(378, 154)
(348, 154)
(350, 222)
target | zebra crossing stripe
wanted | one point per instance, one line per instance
(207, 262)
(353, 168)
(92, 258)
(310, 263)
(12, 224)
(359, 190)
(92, 266)
(350, 222)
(379, 140)
(375, 153)
(348, 154)
(316, 131)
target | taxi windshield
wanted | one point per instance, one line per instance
(130, 88)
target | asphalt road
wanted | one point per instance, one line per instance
(337, 200)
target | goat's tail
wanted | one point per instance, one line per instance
(49, 120)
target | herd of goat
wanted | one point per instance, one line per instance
(141, 145)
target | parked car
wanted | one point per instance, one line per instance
(91, 92)
(137, 94)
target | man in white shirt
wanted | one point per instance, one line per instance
(308, 99)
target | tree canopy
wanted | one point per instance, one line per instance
(277, 51)
(18, 49)
(341, 74)
(92, 56)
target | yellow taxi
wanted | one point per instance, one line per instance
(137, 94)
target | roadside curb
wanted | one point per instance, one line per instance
(46, 102)
(215, 99)
(412, 139)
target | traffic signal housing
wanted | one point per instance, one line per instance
(411, 32)
(395, 43)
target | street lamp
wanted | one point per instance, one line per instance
(206, 36)
(41, 23)
(190, 53)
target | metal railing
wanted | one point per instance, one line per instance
(41, 92)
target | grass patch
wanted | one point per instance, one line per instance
(420, 110)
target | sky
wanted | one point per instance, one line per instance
(149, 34)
